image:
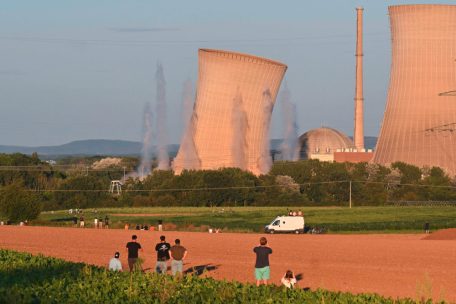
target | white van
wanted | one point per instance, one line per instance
(285, 224)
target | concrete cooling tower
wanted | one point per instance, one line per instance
(419, 124)
(230, 122)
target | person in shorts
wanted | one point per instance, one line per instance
(178, 254)
(81, 222)
(132, 248)
(114, 263)
(162, 250)
(262, 271)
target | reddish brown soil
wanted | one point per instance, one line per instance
(150, 214)
(391, 265)
(442, 235)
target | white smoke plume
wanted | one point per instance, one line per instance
(187, 147)
(188, 100)
(162, 136)
(265, 161)
(146, 151)
(240, 126)
(290, 128)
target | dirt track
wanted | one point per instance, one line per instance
(391, 265)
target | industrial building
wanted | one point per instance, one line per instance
(328, 144)
(230, 122)
(419, 123)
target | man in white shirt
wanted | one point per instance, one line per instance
(114, 263)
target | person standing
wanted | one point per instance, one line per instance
(114, 263)
(132, 248)
(81, 221)
(106, 222)
(95, 222)
(262, 271)
(178, 254)
(162, 250)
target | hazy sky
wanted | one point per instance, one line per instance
(82, 69)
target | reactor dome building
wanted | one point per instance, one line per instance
(321, 143)
(229, 126)
(419, 123)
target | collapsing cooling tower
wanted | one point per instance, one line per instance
(419, 124)
(230, 122)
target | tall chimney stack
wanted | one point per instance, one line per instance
(358, 134)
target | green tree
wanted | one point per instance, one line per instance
(18, 204)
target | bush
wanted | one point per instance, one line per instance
(17, 204)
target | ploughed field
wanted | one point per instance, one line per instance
(405, 265)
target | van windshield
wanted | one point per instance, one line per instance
(276, 222)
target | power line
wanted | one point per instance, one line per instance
(239, 187)
(174, 42)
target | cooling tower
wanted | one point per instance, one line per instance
(419, 123)
(230, 122)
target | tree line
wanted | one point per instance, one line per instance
(34, 185)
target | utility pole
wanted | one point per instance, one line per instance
(350, 194)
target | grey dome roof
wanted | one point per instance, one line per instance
(323, 140)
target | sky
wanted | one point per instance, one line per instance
(74, 70)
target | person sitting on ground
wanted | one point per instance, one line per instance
(262, 271)
(289, 279)
(114, 263)
(132, 248)
(178, 254)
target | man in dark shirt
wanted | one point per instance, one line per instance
(132, 248)
(262, 271)
(162, 249)
(178, 254)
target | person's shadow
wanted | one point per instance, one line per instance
(299, 277)
(200, 269)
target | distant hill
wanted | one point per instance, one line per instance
(86, 147)
(116, 147)
(370, 142)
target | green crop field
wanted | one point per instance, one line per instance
(253, 219)
(36, 279)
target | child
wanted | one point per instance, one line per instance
(289, 279)
(114, 263)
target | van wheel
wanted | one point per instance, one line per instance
(297, 231)
(271, 231)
